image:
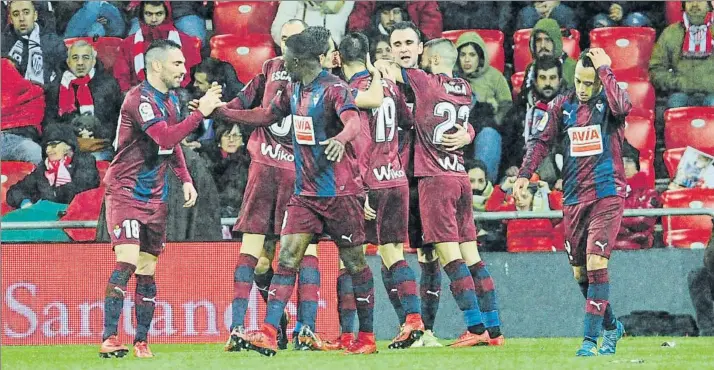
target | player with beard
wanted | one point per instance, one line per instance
(147, 142)
(443, 104)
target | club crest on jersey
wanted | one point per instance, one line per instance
(455, 89)
(541, 124)
(117, 231)
(146, 112)
(304, 130)
(315, 100)
(600, 106)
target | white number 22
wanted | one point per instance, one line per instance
(450, 113)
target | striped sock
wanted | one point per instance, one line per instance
(242, 284)
(596, 303)
(346, 307)
(114, 297)
(144, 305)
(308, 291)
(404, 279)
(609, 322)
(462, 287)
(280, 291)
(486, 294)
(393, 294)
(363, 287)
(430, 291)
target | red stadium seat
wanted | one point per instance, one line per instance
(690, 126)
(494, 44)
(642, 96)
(11, 172)
(522, 49)
(673, 12)
(246, 54)
(107, 48)
(671, 160)
(647, 167)
(86, 206)
(516, 82)
(243, 17)
(686, 238)
(687, 198)
(640, 131)
(629, 48)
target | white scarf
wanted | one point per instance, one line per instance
(139, 56)
(35, 70)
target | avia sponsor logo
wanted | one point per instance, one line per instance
(276, 152)
(387, 173)
(455, 89)
(280, 76)
(451, 164)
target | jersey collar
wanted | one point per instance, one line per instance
(359, 74)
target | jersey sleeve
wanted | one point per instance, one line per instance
(146, 113)
(153, 121)
(341, 98)
(543, 133)
(251, 95)
(416, 79)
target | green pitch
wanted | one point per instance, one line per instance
(554, 353)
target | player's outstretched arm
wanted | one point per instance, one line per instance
(543, 133)
(336, 145)
(390, 70)
(617, 98)
(261, 116)
(373, 96)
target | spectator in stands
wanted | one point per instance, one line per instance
(425, 14)
(229, 161)
(530, 15)
(682, 58)
(636, 232)
(332, 15)
(87, 97)
(64, 173)
(490, 233)
(546, 40)
(23, 107)
(155, 24)
(386, 15)
(621, 13)
(701, 291)
(534, 234)
(96, 18)
(45, 15)
(467, 15)
(380, 49)
(188, 17)
(490, 87)
(531, 105)
(37, 52)
(211, 70)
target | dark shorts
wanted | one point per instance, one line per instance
(414, 224)
(446, 214)
(591, 228)
(342, 218)
(130, 221)
(265, 199)
(392, 208)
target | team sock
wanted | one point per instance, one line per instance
(609, 321)
(393, 294)
(596, 303)
(262, 281)
(462, 288)
(308, 288)
(486, 294)
(404, 279)
(346, 304)
(144, 305)
(114, 297)
(363, 288)
(430, 291)
(282, 286)
(242, 284)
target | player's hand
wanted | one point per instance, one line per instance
(371, 68)
(211, 100)
(616, 12)
(512, 171)
(457, 140)
(508, 184)
(369, 213)
(193, 105)
(384, 66)
(520, 187)
(189, 195)
(599, 57)
(335, 149)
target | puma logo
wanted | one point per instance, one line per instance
(153, 300)
(435, 294)
(366, 300)
(271, 292)
(348, 238)
(601, 245)
(263, 289)
(394, 290)
(565, 112)
(597, 305)
(123, 292)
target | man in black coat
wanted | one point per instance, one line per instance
(64, 172)
(88, 98)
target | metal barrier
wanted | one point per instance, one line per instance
(479, 216)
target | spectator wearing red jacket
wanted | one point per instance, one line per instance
(636, 232)
(155, 23)
(425, 14)
(535, 235)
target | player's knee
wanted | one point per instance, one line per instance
(580, 274)
(353, 258)
(469, 252)
(595, 262)
(447, 252)
(263, 265)
(391, 253)
(127, 253)
(146, 264)
(269, 247)
(311, 250)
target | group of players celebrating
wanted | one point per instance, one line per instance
(339, 158)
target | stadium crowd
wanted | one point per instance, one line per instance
(67, 65)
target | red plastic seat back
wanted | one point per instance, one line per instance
(689, 126)
(671, 160)
(687, 198)
(642, 96)
(522, 49)
(12, 172)
(107, 48)
(629, 48)
(517, 82)
(86, 206)
(640, 131)
(691, 239)
(494, 44)
(246, 53)
(243, 17)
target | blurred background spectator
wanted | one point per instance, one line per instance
(96, 18)
(621, 14)
(561, 13)
(490, 233)
(188, 17)
(380, 48)
(467, 15)
(332, 15)
(425, 14)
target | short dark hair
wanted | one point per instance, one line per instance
(407, 25)
(213, 68)
(143, 4)
(547, 62)
(222, 128)
(310, 43)
(585, 59)
(374, 42)
(162, 44)
(34, 5)
(354, 48)
(471, 164)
